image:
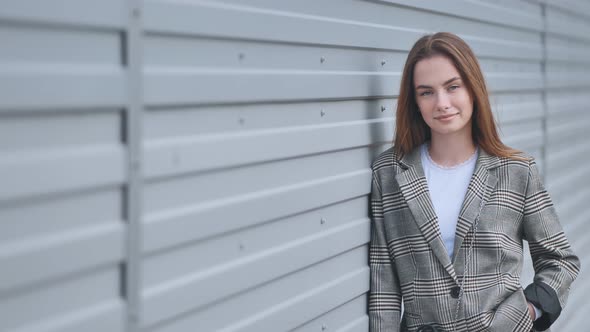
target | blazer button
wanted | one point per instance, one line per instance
(426, 328)
(455, 292)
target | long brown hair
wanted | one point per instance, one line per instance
(411, 130)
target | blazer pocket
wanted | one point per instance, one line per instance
(512, 314)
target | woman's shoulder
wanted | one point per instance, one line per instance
(386, 160)
(519, 159)
(520, 163)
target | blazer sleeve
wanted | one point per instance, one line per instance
(556, 266)
(384, 293)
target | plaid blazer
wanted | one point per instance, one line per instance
(409, 263)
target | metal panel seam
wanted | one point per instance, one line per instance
(544, 102)
(132, 58)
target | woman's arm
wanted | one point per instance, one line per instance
(556, 266)
(384, 294)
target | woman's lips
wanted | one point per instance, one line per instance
(446, 117)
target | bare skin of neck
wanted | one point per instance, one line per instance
(451, 149)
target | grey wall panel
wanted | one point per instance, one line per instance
(274, 190)
(185, 87)
(179, 191)
(62, 166)
(340, 319)
(58, 158)
(510, 13)
(200, 18)
(166, 229)
(183, 291)
(28, 174)
(265, 237)
(60, 87)
(511, 108)
(405, 15)
(285, 301)
(520, 118)
(572, 7)
(566, 50)
(566, 136)
(523, 135)
(164, 123)
(59, 254)
(90, 302)
(568, 21)
(35, 44)
(55, 152)
(40, 62)
(54, 238)
(170, 51)
(376, 31)
(564, 75)
(168, 157)
(29, 131)
(104, 14)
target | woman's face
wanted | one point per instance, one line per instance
(442, 97)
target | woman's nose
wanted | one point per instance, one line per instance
(443, 101)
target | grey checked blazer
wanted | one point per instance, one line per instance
(409, 263)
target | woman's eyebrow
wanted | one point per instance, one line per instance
(445, 83)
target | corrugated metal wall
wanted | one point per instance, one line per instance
(204, 165)
(63, 101)
(567, 148)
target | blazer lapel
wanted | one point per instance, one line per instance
(414, 188)
(480, 188)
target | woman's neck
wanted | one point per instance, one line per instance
(451, 150)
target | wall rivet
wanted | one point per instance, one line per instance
(242, 246)
(136, 12)
(241, 56)
(322, 59)
(322, 113)
(383, 62)
(383, 108)
(324, 327)
(323, 221)
(242, 121)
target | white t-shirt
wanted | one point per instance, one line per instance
(447, 187)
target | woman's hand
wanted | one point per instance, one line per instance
(532, 311)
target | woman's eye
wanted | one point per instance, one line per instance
(425, 93)
(454, 87)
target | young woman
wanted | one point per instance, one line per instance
(451, 206)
